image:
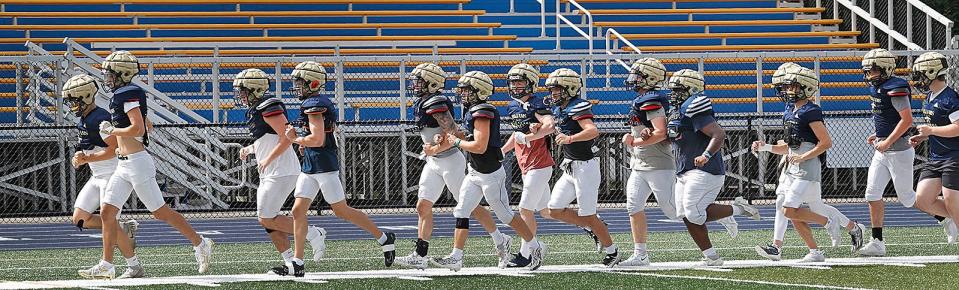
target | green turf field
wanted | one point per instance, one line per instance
(231, 259)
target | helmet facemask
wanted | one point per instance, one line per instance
(418, 87)
(792, 92)
(557, 96)
(678, 94)
(112, 80)
(519, 87)
(637, 82)
(303, 89)
(874, 75)
(467, 94)
(243, 97)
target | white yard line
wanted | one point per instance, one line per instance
(477, 271)
(742, 281)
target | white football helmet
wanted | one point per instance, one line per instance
(249, 86)
(799, 83)
(474, 87)
(645, 74)
(685, 83)
(928, 67)
(569, 85)
(119, 68)
(427, 79)
(521, 72)
(79, 92)
(881, 60)
(309, 77)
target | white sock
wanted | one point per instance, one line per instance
(457, 253)
(312, 233)
(611, 249)
(522, 243)
(497, 236)
(813, 251)
(133, 261)
(527, 247)
(200, 245)
(287, 255)
(104, 263)
(710, 253)
(737, 210)
(382, 239)
(639, 248)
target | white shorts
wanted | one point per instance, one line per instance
(643, 183)
(272, 193)
(895, 166)
(137, 173)
(88, 199)
(492, 186)
(696, 190)
(536, 189)
(308, 185)
(580, 184)
(443, 171)
(798, 192)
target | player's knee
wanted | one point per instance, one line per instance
(790, 212)
(424, 210)
(462, 223)
(546, 213)
(267, 222)
(696, 217)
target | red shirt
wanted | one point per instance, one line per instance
(533, 156)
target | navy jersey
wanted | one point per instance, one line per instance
(320, 159)
(255, 116)
(884, 104)
(685, 130)
(942, 110)
(128, 94)
(424, 108)
(491, 160)
(650, 101)
(796, 123)
(89, 126)
(523, 114)
(568, 123)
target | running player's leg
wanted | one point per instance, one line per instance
(471, 193)
(333, 193)
(637, 192)
(562, 195)
(876, 180)
(306, 190)
(535, 195)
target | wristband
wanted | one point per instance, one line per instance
(457, 143)
(766, 148)
(707, 154)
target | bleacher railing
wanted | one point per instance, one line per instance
(379, 143)
(613, 36)
(901, 24)
(588, 21)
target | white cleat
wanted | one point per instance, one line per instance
(713, 262)
(98, 272)
(732, 227)
(448, 262)
(950, 229)
(636, 260)
(318, 243)
(747, 209)
(204, 253)
(835, 232)
(413, 261)
(814, 256)
(133, 272)
(875, 248)
(537, 256)
(502, 250)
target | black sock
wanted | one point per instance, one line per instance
(877, 233)
(422, 247)
(939, 218)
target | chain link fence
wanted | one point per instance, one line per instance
(927, 29)
(200, 173)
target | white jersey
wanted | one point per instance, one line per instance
(286, 164)
(101, 168)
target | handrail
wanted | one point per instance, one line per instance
(619, 37)
(875, 24)
(589, 24)
(931, 14)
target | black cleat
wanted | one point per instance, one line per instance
(518, 261)
(769, 251)
(284, 270)
(611, 259)
(389, 249)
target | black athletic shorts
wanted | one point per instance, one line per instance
(947, 170)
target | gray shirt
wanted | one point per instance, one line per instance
(810, 170)
(657, 156)
(903, 143)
